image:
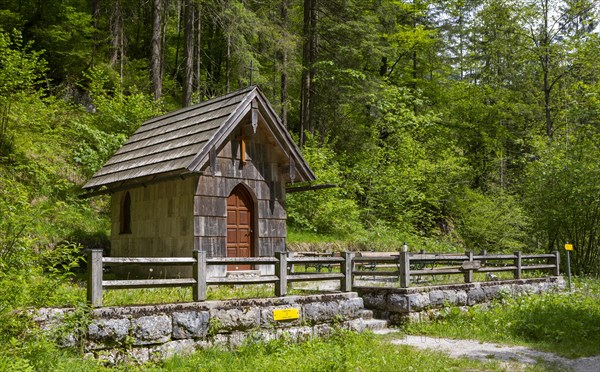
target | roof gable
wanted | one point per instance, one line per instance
(179, 142)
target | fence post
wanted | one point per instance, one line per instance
(469, 272)
(281, 273)
(404, 269)
(556, 263)
(94, 280)
(518, 264)
(199, 273)
(346, 268)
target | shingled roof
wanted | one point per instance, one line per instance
(178, 143)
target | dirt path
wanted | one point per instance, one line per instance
(486, 351)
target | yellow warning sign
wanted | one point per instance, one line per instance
(568, 247)
(286, 314)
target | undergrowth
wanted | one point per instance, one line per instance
(564, 323)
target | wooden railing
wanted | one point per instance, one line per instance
(421, 264)
(200, 280)
(403, 265)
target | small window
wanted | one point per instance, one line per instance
(125, 217)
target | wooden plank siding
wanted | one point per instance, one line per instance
(262, 174)
(161, 226)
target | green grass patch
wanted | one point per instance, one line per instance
(300, 236)
(344, 351)
(564, 323)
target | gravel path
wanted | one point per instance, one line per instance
(486, 351)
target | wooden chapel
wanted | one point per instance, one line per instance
(209, 177)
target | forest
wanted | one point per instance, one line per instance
(451, 125)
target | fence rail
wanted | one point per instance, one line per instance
(403, 266)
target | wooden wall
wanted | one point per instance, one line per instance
(264, 176)
(161, 225)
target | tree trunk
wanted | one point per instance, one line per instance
(228, 66)
(116, 30)
(95, 18)
(285, 4)
(309, 55)
(188, 52)
(199, 50)
(156, 50)
(176, 69)
(546, 68)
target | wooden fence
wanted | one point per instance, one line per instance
(403, 265)
(200, 281)
(423, 264)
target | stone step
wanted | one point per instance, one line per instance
(385, 331)
(376, 324)
(361, 325)
(366, 314)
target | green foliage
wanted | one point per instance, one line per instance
(328, 211)
(406, 178)
(564, 197)
(495, 222)
(563, 323)
(22, 68)
(15, 224)
(95, 147)
(66, 35)
(118, 112)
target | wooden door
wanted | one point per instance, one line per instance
(239, 226)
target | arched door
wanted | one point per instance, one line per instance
(239, 226)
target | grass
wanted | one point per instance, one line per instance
(564, 323)
(344, 351)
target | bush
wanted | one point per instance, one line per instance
(328, 211)
(493, 222)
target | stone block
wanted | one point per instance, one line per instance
(398, 303)
(418, 301)
(149, 330)
(437, 298)
(352, 308)
(237, 339)
(461, 298)
(191, 324)
(322, 330)
(236, 319)
(451, 297)
(319, 312)
(374, 300)
(475, 296)
(303, 334)
(172, 348)
(108, 330)
(491, 292)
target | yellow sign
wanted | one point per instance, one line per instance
(568, 247)
(286, 314)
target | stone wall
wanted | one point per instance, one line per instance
(143, 333)
(399, 305)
